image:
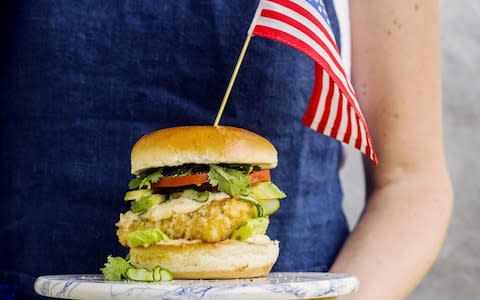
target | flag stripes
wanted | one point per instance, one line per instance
(333, 109)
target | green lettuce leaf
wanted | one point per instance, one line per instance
(146, 237)
(230, 181)
(252, 227)
(115, 268)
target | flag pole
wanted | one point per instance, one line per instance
(232, 79)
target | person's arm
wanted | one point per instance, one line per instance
(396, 72)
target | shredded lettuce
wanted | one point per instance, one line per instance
(146, 237)
(115, 268)
(252, 227)
(230, 181)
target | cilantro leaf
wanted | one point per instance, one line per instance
(135, 182)
(115, 268)
(155, 176)
(230, 181)
(152, 178)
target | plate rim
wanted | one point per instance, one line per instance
(339, 284)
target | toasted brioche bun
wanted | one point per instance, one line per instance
(202, 145)
(221, 260)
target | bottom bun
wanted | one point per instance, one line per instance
(226, 259)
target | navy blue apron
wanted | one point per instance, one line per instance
(81, 81)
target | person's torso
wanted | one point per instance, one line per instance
(82, 81)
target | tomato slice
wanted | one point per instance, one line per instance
(200, 178)
(174, 181)
(259, 176)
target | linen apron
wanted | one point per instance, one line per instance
(81, 81)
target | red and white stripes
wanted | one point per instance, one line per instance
(333, 109)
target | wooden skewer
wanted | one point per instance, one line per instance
(232, 79)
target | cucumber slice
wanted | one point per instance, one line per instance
(266, 190)
(269, 206)
(158, 198)
(139, 274)
(160, 274)
(157, 273)
(191, 194)
(258, 206)
(196, 195)
(143, 204)
(135, 195)
(166, 275)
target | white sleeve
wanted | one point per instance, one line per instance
(343, 16)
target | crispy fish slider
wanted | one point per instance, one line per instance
(200, 203)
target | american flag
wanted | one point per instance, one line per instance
(333, 109)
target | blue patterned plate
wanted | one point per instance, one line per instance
(275, 286)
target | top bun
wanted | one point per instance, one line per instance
(202, 145)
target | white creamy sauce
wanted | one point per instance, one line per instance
(259, 239)
(180, 206)
(127, 219)
(179, 242)
(166, 209)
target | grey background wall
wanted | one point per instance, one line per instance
(456, 274)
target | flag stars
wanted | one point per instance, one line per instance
(320, 7)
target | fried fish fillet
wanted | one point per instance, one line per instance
(213, 222)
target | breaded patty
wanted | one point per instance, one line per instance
(212, 222)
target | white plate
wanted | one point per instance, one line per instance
(275, 286)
